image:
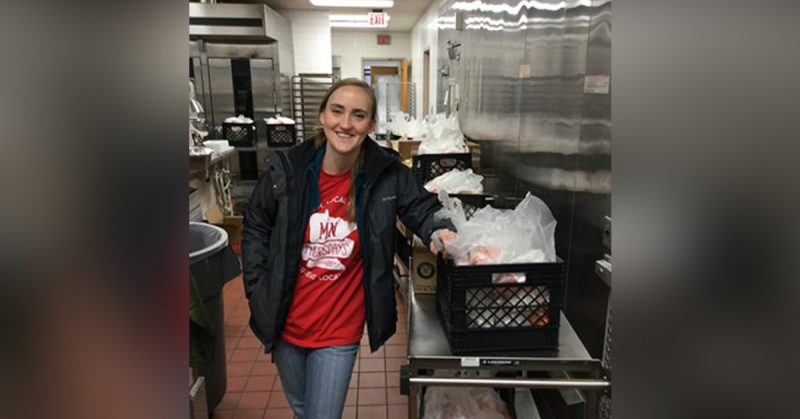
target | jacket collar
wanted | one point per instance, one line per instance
(301, 156)
(376, 159)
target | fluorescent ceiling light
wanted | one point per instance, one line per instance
(384, 4)
(355, 21)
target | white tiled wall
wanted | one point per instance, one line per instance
(424, 36)
(311, 35)
(355, 46)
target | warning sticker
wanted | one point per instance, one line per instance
(470, 362)
(597, 84)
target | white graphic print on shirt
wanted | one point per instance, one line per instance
(328, 243)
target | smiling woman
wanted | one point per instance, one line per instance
(347, 114)
(317, 249)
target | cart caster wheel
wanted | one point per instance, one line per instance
(405, 384)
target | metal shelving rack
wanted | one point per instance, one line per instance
(307, 92)
(284, 103)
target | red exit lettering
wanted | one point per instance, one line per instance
(377, 19)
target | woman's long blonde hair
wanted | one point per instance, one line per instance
(319, 136)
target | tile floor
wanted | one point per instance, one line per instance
(254, 391)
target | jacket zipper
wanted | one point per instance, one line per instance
(365, 260)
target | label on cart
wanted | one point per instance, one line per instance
(470, 362)
(499, 362)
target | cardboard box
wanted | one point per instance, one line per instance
(423, 268)
(405, 231)
(406, 148)
(232, 224)
(475, 153)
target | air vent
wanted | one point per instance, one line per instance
(220, 21)
(226, 21)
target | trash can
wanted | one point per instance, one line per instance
(211, 264)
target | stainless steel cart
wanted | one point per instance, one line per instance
(428, 351)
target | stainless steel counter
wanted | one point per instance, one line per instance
(203, 163)
(426, 337)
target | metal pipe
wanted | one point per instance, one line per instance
(500, 382)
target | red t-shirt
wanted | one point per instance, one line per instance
(328, 304)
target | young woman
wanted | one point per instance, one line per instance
(318, 247)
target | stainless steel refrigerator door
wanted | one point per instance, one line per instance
(262, 73)
(221, 91)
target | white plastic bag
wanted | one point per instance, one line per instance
(279, 120)
(525, 234)
(407, 126)
(456, 181)
(241, 119)
(443, 136)
(464, 403)
(399, 123)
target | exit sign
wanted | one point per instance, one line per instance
(384, 39)
(379, 19)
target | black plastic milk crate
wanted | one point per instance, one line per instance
(281, 135)
(239, 134)
(429, 166)
(479, 316)
(472, 202)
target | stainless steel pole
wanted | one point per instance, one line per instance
(586, 384)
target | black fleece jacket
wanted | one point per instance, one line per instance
(276, 219)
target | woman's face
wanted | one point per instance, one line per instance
(346, 119)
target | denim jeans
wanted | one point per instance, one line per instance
(315, 381)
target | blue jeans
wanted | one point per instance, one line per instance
(315, 381)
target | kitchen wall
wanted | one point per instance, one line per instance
(283, 26)
(424, 36)
(356, 46)
(311, 35)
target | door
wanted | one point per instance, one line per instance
(377, 71)
(405, 69)
(263, 82)
(221, 92)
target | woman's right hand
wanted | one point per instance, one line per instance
(439, 238)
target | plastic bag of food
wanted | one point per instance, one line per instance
(406, 126)
(464, 403)
(398, 123)
(456, 181)
(241, 119)
(525, 234)
(279, 120)
(444, 136)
